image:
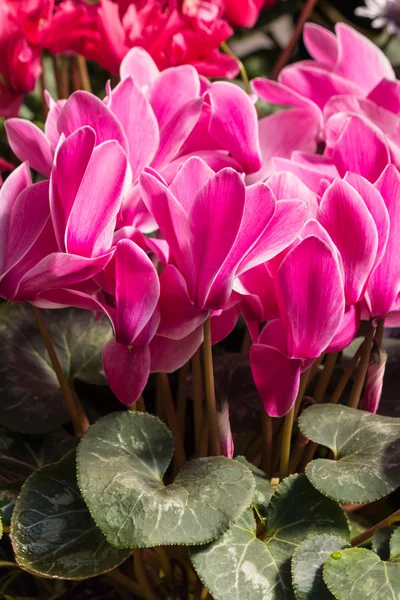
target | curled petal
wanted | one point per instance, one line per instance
(169, 355)
(127, 370)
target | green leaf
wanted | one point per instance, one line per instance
(395, 546)
(7, 503)
(366, 448)
(21, 455)
(1, 528)
(31, 400)
(359, 574)
(263, 492)
(121, 462)
(307, 564)
(52, 532)
(239, 566)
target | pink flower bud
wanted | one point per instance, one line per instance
(225, 431)
(374, 381)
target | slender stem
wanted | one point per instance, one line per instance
(325, 377)
(296, 456)
(79, 419)
(76, 80)
(127, 583)
(362, 367)
(246, 343)
(197, 401)
(286, 440)
(160, 404)
(205, 436)
(164, 560)
(287, 52)
(242, 70)
(268, 442)
(138, 406)
(172, 418)
(64, 77)
(43, 86)
(305, 376)
(210, 390)
(314, 367)
(366, 535)
(346, 376)
(181, 397)
(56, 75)
(379, 332)
(83, 73)
(141, 575)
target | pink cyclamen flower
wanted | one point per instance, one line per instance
(59, 234)
(202, 263)
(173, 34)
(374, 380)
(177, 114)
(312, 303)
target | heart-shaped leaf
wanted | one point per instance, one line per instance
(359, 574)
(395, 546)
(263, 492)
(121, 462)
(307, 564)
(21, 455)
(52, 531)
(31, 400)
(239, 566)
(366, 448)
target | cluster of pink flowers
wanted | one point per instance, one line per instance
(174, 32)
(291, 221)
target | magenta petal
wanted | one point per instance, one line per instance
(287, 186)
(218, 207)
(311, 296)
(376, 207)
(384, 284)
(360, 60)
(258, 211)
(233, 124)
(139, 65)
(140, 125)
(282, 230)
(29, 215)
(97, 201)
(223, 324)
(192, 175)
(342, 204)
(277, 93)
(310, 174)
(284, 132)
(172, 90)
(362, 149)
(347, 330)
(134, 273)
(387, 95)
(59, 270)
(321, 44)
(72, 156)
(169, 355)
(15, 183)
(172, 220)
(83, 109)
(28, 142)
(179, 317)
(127, 370)
(225, 432)
(276, 377)
(175, 132)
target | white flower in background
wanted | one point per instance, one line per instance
(382, 12)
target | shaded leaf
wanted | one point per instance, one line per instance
(307, 564)
(32, 401)
(381, 542)
(395, 546)
(21, 455)
(239, 566)
(359, 574)
(7, 503)
(52, 532)
(121, 462)
(263, 492)
(366, 448)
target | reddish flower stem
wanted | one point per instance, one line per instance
(308, 7)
